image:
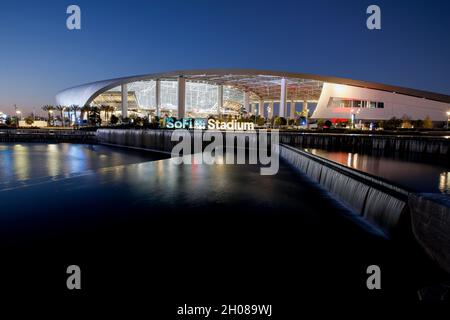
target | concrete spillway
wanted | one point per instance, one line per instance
(376, 200)
(380, 202)
(156, 140)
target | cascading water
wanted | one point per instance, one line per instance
(159, 140)
(373, 201)
(382, 209)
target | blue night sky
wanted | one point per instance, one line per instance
(39, 56)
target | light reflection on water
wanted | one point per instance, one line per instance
(23, 161)
(444, 182)
(418, 176)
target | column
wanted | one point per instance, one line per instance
(261, 108)
(181, 97)
(305, 110)
(158, 97)
(270, 115)
(219, 99)
(292, 113)
(283, 97)
(246, 101)
(124, 101)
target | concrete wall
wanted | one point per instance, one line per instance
(430, 220)
(367, 143)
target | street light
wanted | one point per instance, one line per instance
(448, 118)
(51, 121)
(353, 117)
(18, 116)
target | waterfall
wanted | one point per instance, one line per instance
(156, 140)
(376, 201)
(382, 209)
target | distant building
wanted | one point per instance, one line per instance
(202, 93)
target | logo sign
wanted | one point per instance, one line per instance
(211, 124)
(186, 123)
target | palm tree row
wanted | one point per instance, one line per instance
(108, 110)
(92, 112)
(73, 109)
(49, 109)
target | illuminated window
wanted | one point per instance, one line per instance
(353, 103)
(201, 98)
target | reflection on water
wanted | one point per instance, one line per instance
(444, 182)
(35, 160)
(417, 176)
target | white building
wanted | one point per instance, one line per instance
(200, 93)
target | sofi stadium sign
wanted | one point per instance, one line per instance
(211, 124)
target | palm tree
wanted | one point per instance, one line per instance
(49, 109)
(105, 108)
(111, 110)
(86, 109)
(74, 108)
(94, 116)
(69, 114)
(61, 112)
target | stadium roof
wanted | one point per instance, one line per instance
(261, 84)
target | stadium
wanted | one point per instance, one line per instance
(268, 94)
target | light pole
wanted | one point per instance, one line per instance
(448, 118)
(18, 116)
(51, 117)
(353, 116)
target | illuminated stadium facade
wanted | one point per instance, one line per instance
(237, 92)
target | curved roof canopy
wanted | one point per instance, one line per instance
(259, 83)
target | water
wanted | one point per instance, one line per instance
(133, 224)
(24, 161)
(426, 176)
